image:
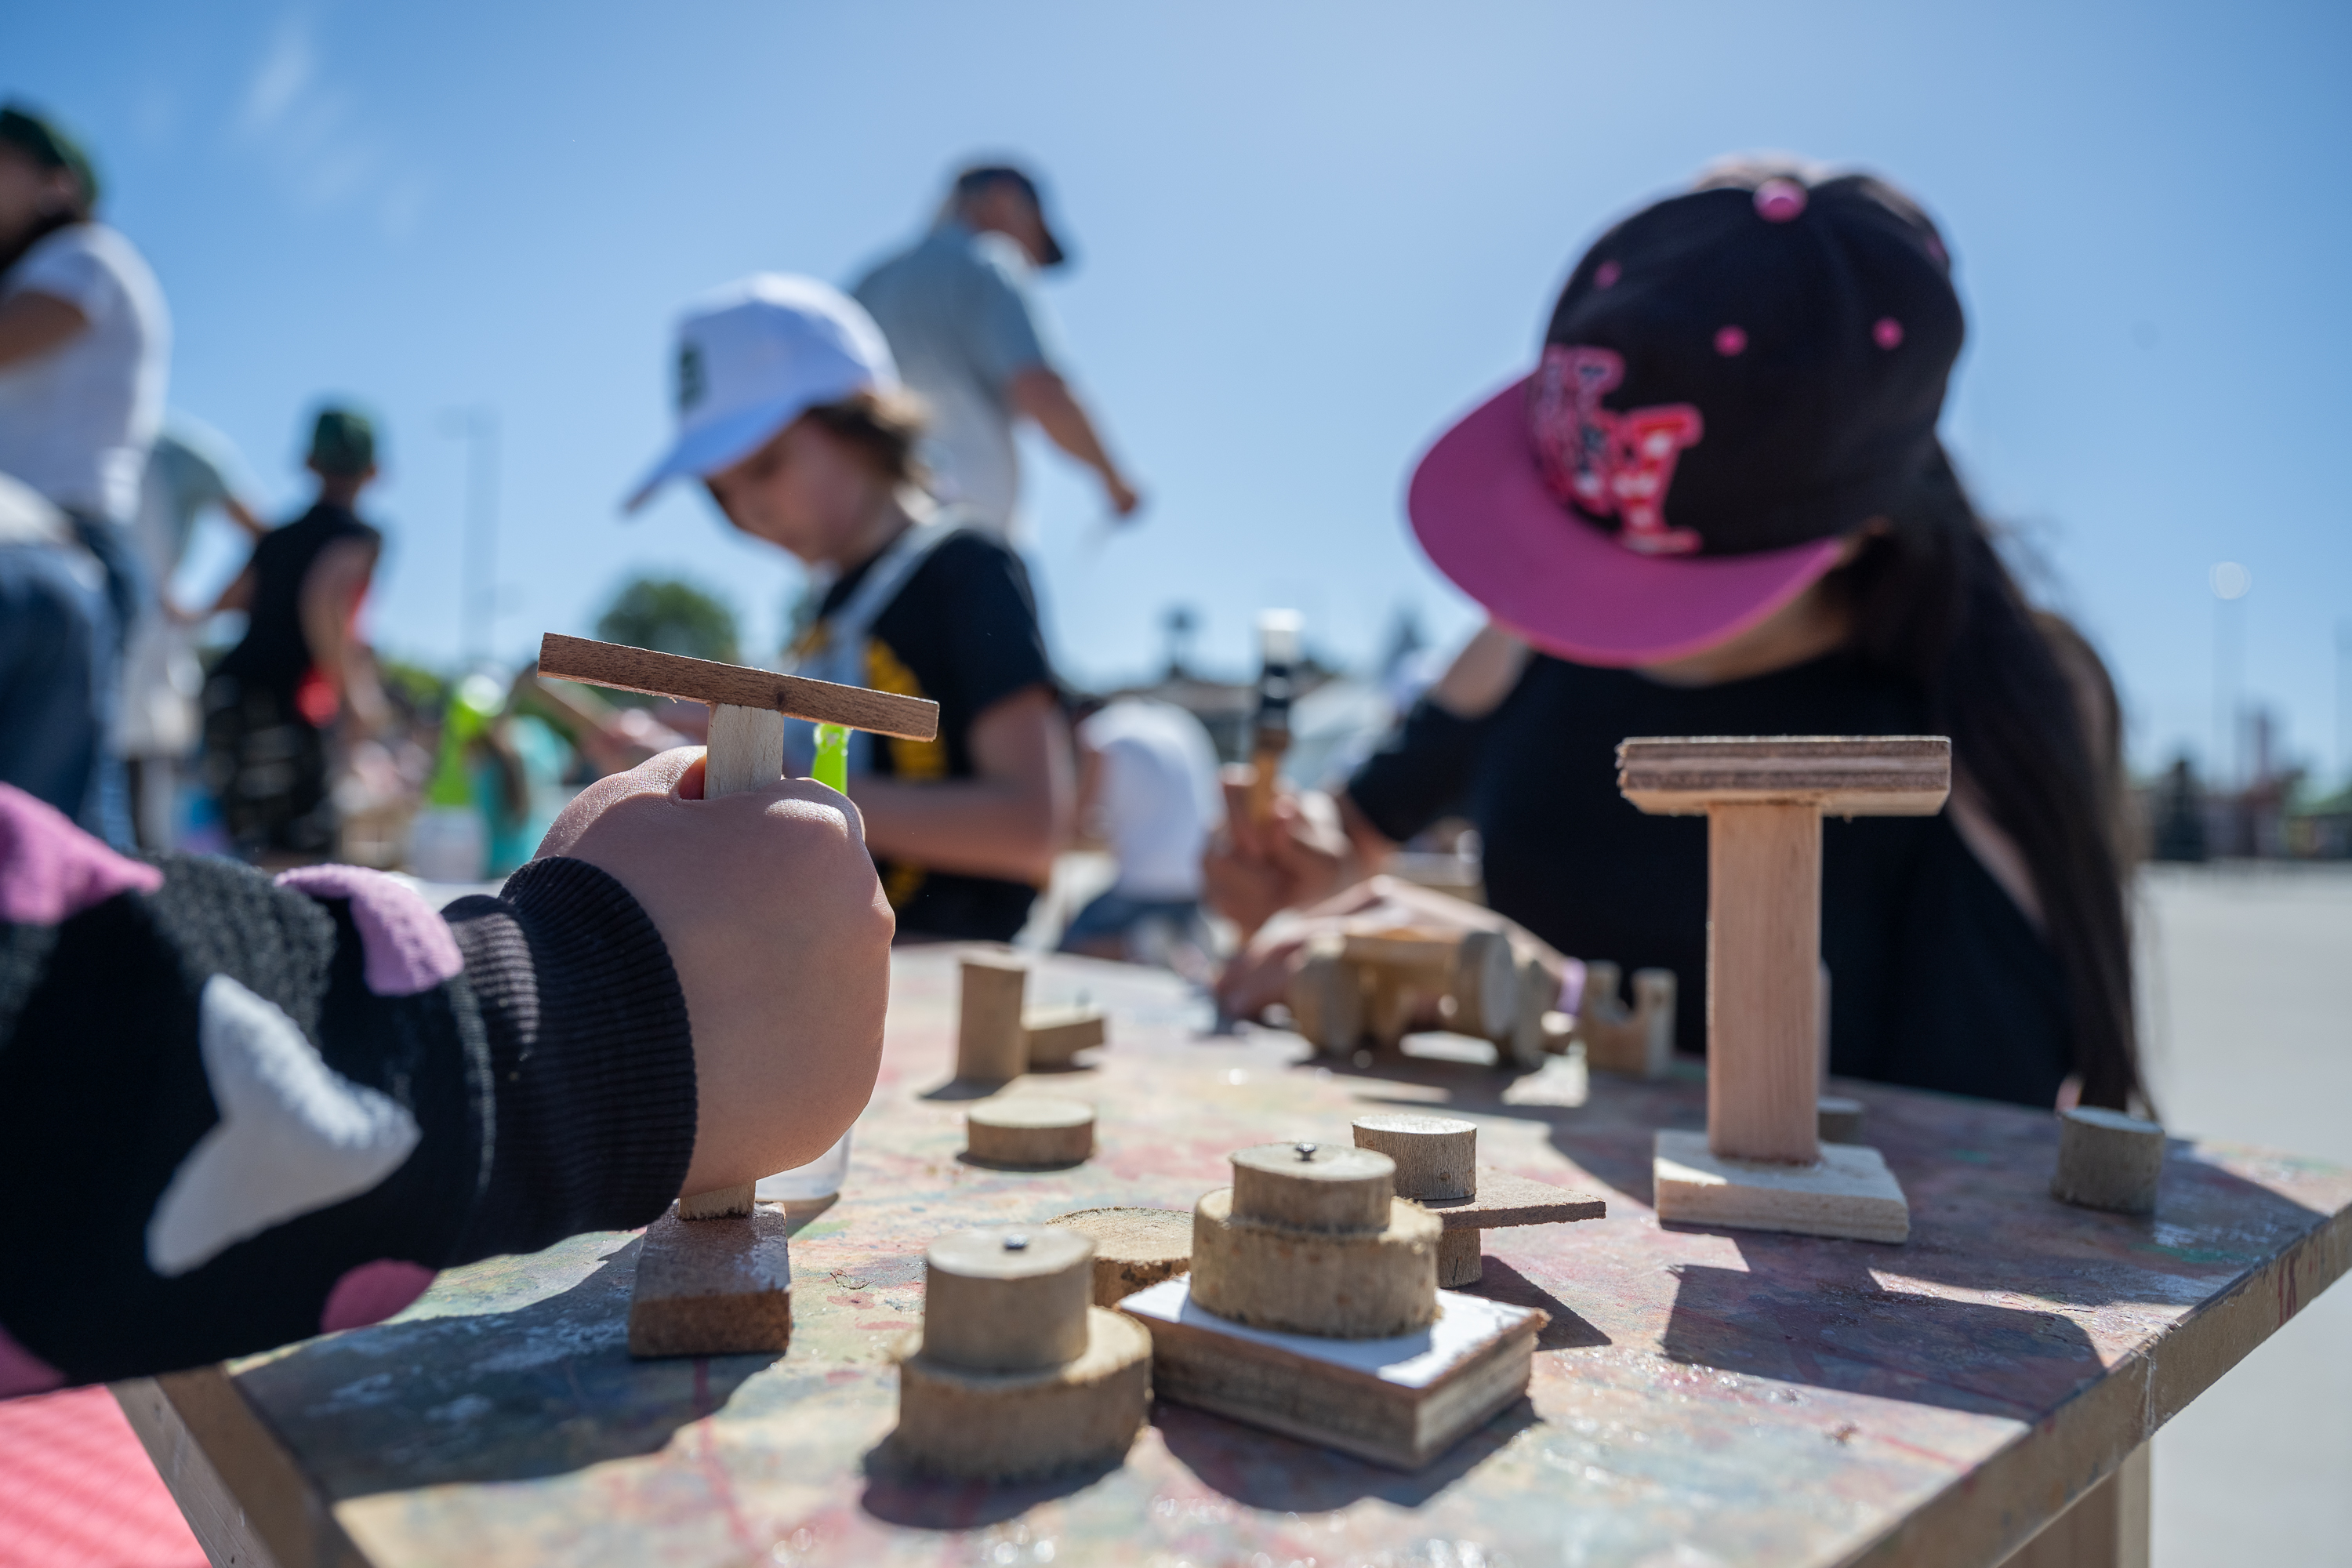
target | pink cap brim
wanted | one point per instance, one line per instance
(1481, 509)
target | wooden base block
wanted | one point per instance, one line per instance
(1006, 1426)
(1347, 1284)
(1399, 1401)
(1055, 1034)
(1460, 1258)
(718, 1203)
(1133, 1247)
(1849, 1193)
(1030, 1132)
(712, 1286)
(2107, 1160)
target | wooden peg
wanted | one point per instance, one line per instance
(1638, 1041)
(2107, 1159)
(1029, 1133)
(1013, 1374)
(1053, 1036)
(1435, 1156)
(1538, 995)
(1764, 797)
(990, 1045)
(1326, 999)
(1485, 986)
(1133, 1247)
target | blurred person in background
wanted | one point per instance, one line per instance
(57, 657)
(85, 346)
(300, 666)
(791, 414)
(960, 309)
(1718, 506)
(159, 720)
(1148, 790)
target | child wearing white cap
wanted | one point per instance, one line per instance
(791, 413)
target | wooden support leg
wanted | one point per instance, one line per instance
(1460, 1258)
(1763, 957)
(2106, 1527)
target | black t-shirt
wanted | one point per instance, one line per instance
(1937, 978)
(961, 631)
(275, 653)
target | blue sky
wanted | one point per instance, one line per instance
(1307, 235)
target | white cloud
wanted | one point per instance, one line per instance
(316, 139)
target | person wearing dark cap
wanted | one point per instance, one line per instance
(1718, 506)
(300, 666)
(970, 341)
(85, 344)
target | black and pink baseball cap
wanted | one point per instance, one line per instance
(1733, 380)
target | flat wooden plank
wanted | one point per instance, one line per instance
(1504, 1200)
(1757, 1398)
(244, 1496)
(736, 686)
(1856, 775)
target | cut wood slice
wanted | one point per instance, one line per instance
(1134, 1248)
(713, 1287)
(1029, 1132)
(1503, 1199)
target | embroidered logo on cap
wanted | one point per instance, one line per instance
(1605, 463)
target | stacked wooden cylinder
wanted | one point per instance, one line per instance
(1312, 1239)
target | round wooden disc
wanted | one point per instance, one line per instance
(1007, 1299)
(1348, 1285)
(1436, 1156)
(1133, 1247)
(1007, 1426)
(1030, 1130)
(1314, 1186)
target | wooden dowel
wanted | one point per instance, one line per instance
(734, 685)
(1763, 957)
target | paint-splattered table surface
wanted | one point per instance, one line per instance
(1700, 1396)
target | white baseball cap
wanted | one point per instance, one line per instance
(754, 355)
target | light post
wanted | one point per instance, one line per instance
(2231, 582)
(478, 589)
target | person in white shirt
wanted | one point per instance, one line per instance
(85, 346)
(1148, 788)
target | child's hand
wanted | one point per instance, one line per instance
(776, 925)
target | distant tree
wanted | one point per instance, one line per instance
(670, 617)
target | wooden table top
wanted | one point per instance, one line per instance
(1700, 1395)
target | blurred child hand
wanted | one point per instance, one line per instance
(1297, 856)
(781, 937)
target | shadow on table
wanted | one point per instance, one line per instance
(1265, 1470)
(895, 1494)
(1498, 1281)
(542, 1390)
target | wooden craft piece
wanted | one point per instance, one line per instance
(1539, 999)
(1032, 1132)
(1400, 1402)
(1055, 1034)
(1314, 1186)
(1638, 1041)
(712, 1286)
(1327, 998)
(1013, 1374)
(1365, 988)
(1134, 1248)
(1839, 1119)
(736, 686)
(990, 1045)
(1763, 797)
(1485, 986)
(1312, 1239)
(1436, 1160)
(2107, 1159)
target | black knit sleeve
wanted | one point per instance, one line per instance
(592, 1062)
(1420, 773)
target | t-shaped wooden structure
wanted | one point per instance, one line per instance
(1762, 1165)
(699, 1292)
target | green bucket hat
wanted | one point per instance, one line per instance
(39, 139)
(342, 443)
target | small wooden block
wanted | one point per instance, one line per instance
(1133, 1247)
(1327, 1002)
(1461, 1258)
(1504, 1199)
(1006, 1298)
(718, 1203)
(990, 1047)
(1030, 1132)
(1011, 1426)
(1538, 996)
(1839, 1118)
(1435, 1156)
(713, 1287)
(1314, 1186)
(1638, 1041)
(2107, 1160)
(736, 686)
(1400, 1401)
(1352, 1284)
(1485, 986)
(1859, 775)
(746, 751)
(1849, 1192)
(1055, 1035)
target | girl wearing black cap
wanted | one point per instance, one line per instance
(1718, 506)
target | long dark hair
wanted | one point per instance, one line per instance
(1931, 598)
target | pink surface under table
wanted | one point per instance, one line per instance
(1701, 1396)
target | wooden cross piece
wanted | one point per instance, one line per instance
(708, 1290)
(1764, 797)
